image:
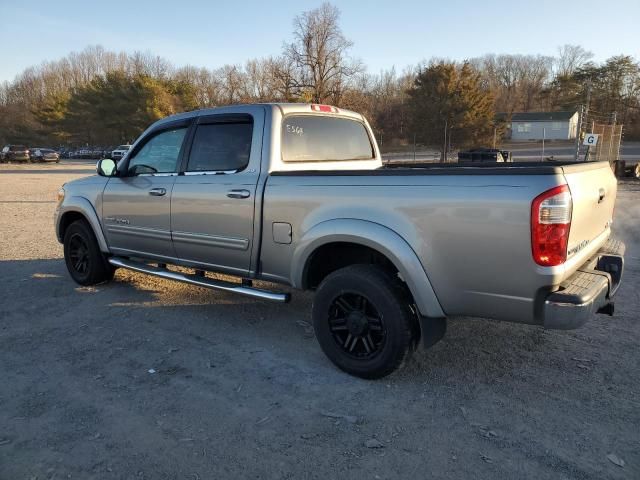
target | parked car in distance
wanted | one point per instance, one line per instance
(15, 153)
(120, 152)
(97, 153)
(85, 152)
(107, 151)
(297, 194)
(484, 155)
(44, 155)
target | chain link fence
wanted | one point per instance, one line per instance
(609, 140)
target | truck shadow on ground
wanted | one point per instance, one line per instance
(139, 312)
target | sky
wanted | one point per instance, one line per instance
(385, 33)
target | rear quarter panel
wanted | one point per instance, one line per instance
(470, 232)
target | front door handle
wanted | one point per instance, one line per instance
(238, 193)
(158, 192)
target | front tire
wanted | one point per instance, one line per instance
(85, 262)
(363, 322)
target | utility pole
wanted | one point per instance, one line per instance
(584, 113)
(614, 117)
(613, 136)
(586, 110)
(586, 155)
(444, 145)
(449, 140)
(414, 147)
(578, 130)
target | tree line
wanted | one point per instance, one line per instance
(98, 97)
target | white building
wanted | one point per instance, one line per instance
(547, 125)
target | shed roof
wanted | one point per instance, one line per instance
(542, 116)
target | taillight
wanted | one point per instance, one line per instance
(324, 108)
(550, 225)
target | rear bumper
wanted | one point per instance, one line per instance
(589, 290)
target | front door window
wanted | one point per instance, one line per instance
(158, 155)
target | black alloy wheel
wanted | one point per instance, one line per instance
(357, 327)
(86, 264)
(79, 254)
(363, 320)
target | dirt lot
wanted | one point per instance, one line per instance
(242, 390)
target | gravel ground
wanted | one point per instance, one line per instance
(242, 390)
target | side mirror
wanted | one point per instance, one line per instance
(106, 167)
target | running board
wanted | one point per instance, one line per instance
(200, 281)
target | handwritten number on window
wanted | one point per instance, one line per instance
(295, 130)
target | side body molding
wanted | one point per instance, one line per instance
(83, 206)
(377, 237)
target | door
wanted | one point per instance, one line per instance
(136, 205)
(212, 205)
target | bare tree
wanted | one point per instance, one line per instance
(320, 53)
(259, 83)
(282, 71)
(232, 78)
(570, 58)
(517, 81)
(534, 75)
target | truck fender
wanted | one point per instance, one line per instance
(377, 237)
(83, 206)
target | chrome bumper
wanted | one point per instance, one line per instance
(589, 290)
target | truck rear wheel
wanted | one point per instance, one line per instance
(86, 263)
(363, 322)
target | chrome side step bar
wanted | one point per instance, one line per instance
(200, 281)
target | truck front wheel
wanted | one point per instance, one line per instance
(85, 262)
(363, 322)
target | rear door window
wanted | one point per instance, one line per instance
(318, 138)
(221, 147)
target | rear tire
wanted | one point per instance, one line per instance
(363, 322)
(86, 263)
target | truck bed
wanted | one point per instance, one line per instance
(469, 224)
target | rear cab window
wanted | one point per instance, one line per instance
(321, 138)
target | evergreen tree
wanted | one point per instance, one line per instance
(448, 101)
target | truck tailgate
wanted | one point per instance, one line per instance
(593, 189)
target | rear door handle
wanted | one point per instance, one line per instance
(158, 192)
(238, 193)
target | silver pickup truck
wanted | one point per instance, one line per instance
(296, 194)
